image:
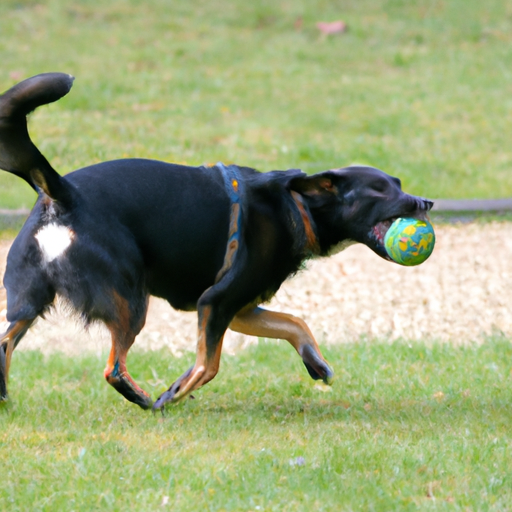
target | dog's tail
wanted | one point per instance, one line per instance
(18, 154)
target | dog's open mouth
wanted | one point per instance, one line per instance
(378, 232)
(381, 228)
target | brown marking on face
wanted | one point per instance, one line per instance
(326, 184)
(311, 240)
(317, 186)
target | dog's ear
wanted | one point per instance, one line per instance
(275, 179)
(319, 188)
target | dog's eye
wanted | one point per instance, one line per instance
(380, 186)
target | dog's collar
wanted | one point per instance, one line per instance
(312, 246)
(231, 181)
(233, 186)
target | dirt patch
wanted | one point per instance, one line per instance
(462, 293)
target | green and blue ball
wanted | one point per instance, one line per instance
(410, 241)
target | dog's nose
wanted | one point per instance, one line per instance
(423, 205)
(418, 204)
(427, 204)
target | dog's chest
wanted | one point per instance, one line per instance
(335, 249)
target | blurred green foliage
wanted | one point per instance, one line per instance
(419, 89)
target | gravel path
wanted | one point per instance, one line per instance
(462, 293)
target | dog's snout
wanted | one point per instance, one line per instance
(417, 204)
(421, 204)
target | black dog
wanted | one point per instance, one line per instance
(218, 239)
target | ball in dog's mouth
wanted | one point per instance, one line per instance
(405, 248)
(410, 241)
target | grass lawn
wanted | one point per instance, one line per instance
(420, 89)
(405, 427)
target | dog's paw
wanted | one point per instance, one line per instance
(317, 368)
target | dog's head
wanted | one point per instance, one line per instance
(356, 204)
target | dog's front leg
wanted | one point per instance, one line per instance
(269, 324)
(209, 348)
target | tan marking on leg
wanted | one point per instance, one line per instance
(109, 368)
(206, 366)
(261, 322)
(9, 339)
(269, 324)
(123, 312)
(123, 337)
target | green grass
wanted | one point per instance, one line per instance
(414, 88)
(420, 89)
(405, 427)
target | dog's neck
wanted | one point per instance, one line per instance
(312, 245)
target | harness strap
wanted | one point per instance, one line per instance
(233, 186)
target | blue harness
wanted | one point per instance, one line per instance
(233, 185)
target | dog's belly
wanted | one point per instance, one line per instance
(179, 282)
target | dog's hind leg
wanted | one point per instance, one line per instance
(117, 374)
(8, 343)
(123, 331)
(28, 296)
(269, 324)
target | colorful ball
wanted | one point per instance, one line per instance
(410, 241)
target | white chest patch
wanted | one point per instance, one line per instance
(341, 247)
(53, 240)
